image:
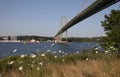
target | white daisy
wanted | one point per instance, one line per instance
(11, 62)
(22, 56)
(55, 56)
(43, 54)
(33, 55)
(20, 68)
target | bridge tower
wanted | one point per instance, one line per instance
(58, 38)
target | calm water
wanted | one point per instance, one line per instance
(8, 49)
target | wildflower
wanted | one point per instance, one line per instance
(43, 54)
(96, 48)
(41, 63)
(20, 68)
(11, 62)
(111, 47)
(22, 56)
(14, 50)
(33, 55)
(48, 50)
(77, 52)
(86, 58)
(55, 56)
(96, 52)
(114, 48)
(59, 51)
(38, 68)
(106, 51)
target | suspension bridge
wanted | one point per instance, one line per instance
(95, 7)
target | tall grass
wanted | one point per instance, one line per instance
(84, 64)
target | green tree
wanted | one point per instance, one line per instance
(111, 26)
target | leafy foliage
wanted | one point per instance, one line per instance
(111, 26)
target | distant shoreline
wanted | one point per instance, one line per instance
(9, 41)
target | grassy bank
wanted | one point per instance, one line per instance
(85, 64)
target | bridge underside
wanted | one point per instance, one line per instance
(97, 6)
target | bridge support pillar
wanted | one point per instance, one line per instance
(58, 39)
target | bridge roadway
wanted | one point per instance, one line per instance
(97, 6)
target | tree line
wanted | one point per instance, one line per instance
(70, 39)
(45, 38)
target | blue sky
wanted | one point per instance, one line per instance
(42, 17)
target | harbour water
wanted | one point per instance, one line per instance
(18, 48)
